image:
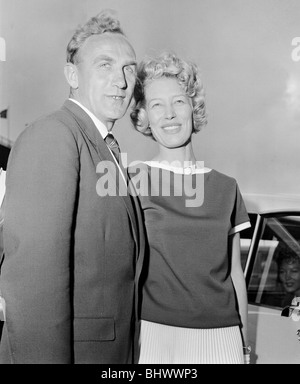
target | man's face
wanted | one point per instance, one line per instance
(106, 74)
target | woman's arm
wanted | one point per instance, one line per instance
(239, 283)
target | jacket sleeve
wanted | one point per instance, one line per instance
(36, 275)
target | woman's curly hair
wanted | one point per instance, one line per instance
(168, 65)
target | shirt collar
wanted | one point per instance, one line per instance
(99, 125)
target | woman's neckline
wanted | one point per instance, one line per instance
(187, 170)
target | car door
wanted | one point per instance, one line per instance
(2, 194)
(273, 337)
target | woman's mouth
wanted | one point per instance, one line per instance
(171, 128)
(289, 285)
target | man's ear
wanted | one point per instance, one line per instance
(71, 75)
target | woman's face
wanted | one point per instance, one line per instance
(170, 112)
(289, 274)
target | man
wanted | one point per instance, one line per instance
(69, 273)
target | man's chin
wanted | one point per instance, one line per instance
(116, 116)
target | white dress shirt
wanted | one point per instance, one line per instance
(102, 130)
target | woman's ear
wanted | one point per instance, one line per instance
(71, 75)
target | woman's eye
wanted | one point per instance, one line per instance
(179, 102)
(155, 105)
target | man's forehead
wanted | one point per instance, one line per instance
(110, 44)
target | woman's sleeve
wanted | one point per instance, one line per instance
(239, 217)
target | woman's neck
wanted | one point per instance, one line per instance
(182, 156)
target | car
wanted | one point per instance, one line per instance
(273, 324)
(2, 194)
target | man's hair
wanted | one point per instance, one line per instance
(97, 25)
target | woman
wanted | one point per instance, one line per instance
(193, 281)
(288, 260)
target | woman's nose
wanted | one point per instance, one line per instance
(288, 275)
(170, 112)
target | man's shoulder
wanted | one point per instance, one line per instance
(55, 134)
(58, 122)
(59, 116)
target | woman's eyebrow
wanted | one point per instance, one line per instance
(153, 99)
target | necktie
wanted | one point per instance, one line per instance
(113, 145)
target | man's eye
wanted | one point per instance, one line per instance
(179, 101)
(105, 65)
(130, 69)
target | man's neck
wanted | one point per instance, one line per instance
(102, 128)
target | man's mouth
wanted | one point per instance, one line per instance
(118, 97)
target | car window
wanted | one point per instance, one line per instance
(275, 277)
(246, 238)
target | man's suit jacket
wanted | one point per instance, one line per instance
(72, 257)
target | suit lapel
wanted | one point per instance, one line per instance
(86, 125)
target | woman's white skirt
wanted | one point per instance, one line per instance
(164, 344)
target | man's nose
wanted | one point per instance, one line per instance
(119, 79)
